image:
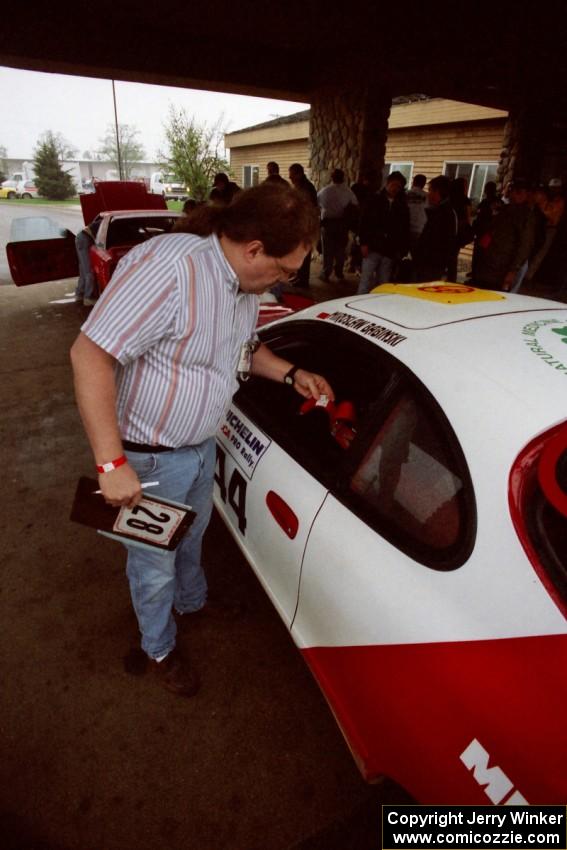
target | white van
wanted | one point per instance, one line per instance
(168, 186)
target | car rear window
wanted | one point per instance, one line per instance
(407, 477)
(132, 231)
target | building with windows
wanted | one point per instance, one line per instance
(285, 140)
(428, 136)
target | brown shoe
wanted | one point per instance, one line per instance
(175, 675)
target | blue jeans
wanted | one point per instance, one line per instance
(376, 269)
(86, 285)
(160, 581)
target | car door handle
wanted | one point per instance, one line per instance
(283, 514)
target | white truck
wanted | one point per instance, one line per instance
(27, 173)
(168, 186)
(18, 178)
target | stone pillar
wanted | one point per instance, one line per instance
(348, 130)
(508, 154)
(525, 135)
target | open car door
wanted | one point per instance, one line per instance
(42, 260)
(40, 251)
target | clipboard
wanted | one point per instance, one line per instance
(155, 523)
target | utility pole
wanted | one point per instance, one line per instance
(117, 133)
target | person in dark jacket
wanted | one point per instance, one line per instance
(364, 189)
(462, 205)
(490, 206)
(300, 182)
(507, 243)
(487, 209)
(437, 242)
(223, 190)
(274, 175)
(547, 268)
(384, 233)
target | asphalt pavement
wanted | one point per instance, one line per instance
(93, 757)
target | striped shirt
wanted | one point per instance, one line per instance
(173, 318)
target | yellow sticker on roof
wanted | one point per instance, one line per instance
(441, 293)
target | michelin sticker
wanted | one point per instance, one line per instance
(244, 442)
(547, 339)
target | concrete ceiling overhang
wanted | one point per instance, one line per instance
(474, 52)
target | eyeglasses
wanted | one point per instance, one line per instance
(286, 275)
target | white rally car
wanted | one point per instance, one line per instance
(413, 534)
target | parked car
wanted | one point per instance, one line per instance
(52, 256)
(7, 192)
(120, 231)
(412, 534)
(28, 190)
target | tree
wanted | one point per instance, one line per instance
(64, 148)
(51, 179)
(193, 152)
(131, 150)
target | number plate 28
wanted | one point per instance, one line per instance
(150, 521)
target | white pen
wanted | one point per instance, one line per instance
(147, 484)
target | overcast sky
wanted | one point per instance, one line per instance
(81, 108)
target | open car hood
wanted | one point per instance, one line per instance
(119, 195)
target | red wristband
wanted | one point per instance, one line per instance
(112, 464)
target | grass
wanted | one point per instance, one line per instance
(31, 202)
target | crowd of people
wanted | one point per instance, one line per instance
(520, 240)
(396, 233)
(415, 235)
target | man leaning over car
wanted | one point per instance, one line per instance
(155, 368)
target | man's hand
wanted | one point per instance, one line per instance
(310, 385)
(508, 281)
(121, 487)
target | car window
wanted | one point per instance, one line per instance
(132, 231)
(36, 227)
(412, 484)
(309, 434)
(403, 472)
